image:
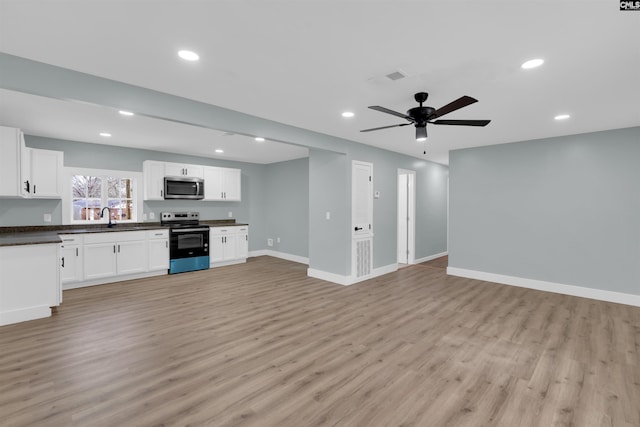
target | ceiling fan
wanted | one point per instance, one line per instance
(420, 116)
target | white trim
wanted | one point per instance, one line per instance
(281, 255)
(540, 285)
(230, 262)
(350, 280)
(67, 199)
(430, 257)
(113, 279)
(24, 314)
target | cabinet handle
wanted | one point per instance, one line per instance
(62, 262)
(118, 248)
(76, 251)
(26, 186)
(114, 249)
(161, 195)
(166, 244)
(34, 189)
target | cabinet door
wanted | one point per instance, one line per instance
(194, 171)
(12, 148)
(213, 183)
(71, 263)
(46, 173)
(99, 260)
(158, 254)
(153, 180)
(242, 249)
(231, 184)
(132, 257)
(216, 244)
(174, 169)
(230, 247)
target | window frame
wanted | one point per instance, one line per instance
(67, 196)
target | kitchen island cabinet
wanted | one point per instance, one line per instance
(29, 281)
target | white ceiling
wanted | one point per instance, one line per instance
(304, 62)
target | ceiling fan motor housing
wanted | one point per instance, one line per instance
(421, 114)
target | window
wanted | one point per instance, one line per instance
(93, 190)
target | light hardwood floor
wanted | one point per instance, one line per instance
(261, 344)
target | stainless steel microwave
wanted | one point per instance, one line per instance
(177, 187)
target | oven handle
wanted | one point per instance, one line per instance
(187, 230)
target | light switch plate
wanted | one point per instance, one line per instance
(230, 214)
(47, 217)
(152, 215)
(328, 215)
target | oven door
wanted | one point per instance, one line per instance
(188, 242)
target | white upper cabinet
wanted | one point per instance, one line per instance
(178, 169)
(153, 180)
(222, 184)
(28, 172)
(46, 173)
(12, 183)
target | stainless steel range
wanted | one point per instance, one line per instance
(188, 241)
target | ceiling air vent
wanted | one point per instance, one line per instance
(396, 75)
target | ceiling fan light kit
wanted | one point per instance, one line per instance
(421, 116)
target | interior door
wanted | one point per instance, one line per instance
(362, 198)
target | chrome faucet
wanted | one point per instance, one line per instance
(111, 224)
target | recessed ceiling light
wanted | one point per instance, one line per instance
(105, 134)
(532, 63)
(125, 113)
(562, 117)
(188, 55)
(348, 114)
(259, 139)
(219, 151)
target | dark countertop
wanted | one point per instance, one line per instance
(38, 235)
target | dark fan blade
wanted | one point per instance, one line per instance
(395, 113)
(462, 122)
(386, 127)
(463, 101)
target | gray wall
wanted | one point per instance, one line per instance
(329, 167)
(563, 210)
(431, 203)
(85, 155)
(286, 206)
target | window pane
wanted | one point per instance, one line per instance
(79, 185)
(79, 206)
(125, 188)
(93, 209)
(94, 186)
(112, 189)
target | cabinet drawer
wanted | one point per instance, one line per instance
(114, 236)
(72, 239)
(222, 231)
(158, 234)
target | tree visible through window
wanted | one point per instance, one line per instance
(92, 193)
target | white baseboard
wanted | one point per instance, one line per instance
(430, 257)
(350, 280)
(540, 285)
(112, 279)
(281, 255)
(24, 314)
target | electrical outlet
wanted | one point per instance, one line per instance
(144, 216)
(269, 242)
(152, 215)
(47, 217)
(328, 215)
(278, 240)
(230, 214)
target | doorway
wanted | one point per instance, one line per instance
(406, 216)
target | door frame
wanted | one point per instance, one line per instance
(411, 212)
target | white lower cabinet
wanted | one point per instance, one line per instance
(158, 247)
(229, 245)
(29, 282)
(114, 253)
(71, 253)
